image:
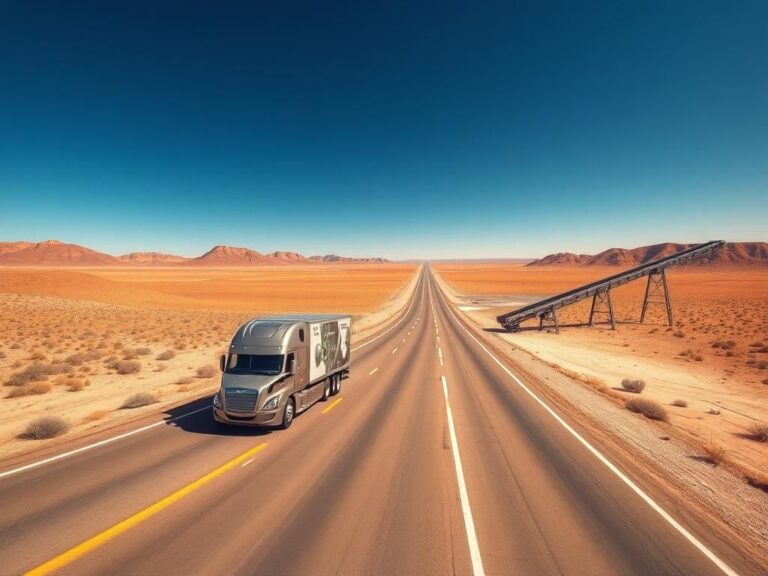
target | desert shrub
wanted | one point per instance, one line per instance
(33, 389)
(37, 371)
(166, 355)
(680, 403)
(724, 344)
(138, 400)
(45, 427)
(759, 431)
(649, 408)
(2, 355)
(633, 385)
(679, 334)
(127, 366)
(714, 411)
(185, 380)
(143, 351)
(698, 358)
(74, 359)
(761, 364)
(15, 346)
(765, 381)
(713, 453)
(206, 372)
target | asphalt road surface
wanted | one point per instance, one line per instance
(435, 458)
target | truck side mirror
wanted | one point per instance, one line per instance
(291, 365)
(222, 362)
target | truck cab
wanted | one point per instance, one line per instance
(277, 367)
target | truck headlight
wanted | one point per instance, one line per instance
(271, 403)
(217, 400)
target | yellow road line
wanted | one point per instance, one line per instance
(333, 404)
(92, 543)
(372, 372)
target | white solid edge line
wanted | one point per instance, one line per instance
(63, 455)
(595, 452)
(469, 523)
(96, 444)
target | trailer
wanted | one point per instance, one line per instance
(279, 366)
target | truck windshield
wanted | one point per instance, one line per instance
(268, 364)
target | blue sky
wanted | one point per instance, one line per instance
(404, 129)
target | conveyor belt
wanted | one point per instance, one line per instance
(511, 320)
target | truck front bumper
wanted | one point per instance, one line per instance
(241, 419)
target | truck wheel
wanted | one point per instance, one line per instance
(336, 384)
(327, 389)
(288, 413)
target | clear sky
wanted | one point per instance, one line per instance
(396, 129)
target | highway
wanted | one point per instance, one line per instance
(437, 457)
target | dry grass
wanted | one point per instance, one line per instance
(76, 384)
(714, 454)
(138, 400)
(758, 431)
(45, 427)
(648, 408)
(633, 385)
(758, 480)
(33, 389)
(37, 371)
(206, 372)
(96, 415)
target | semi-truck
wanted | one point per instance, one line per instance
(278, 366)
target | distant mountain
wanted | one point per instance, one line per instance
(152, 258)
(8, 247)
(55, 253)
(731, 253)
(337, 258)
(288, 256)
(233, 256)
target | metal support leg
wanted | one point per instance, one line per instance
(657, 292)
(602, 304)
(550, 318)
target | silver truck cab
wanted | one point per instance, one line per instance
(278, 366)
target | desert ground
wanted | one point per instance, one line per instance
(709, 372)
(78, 343)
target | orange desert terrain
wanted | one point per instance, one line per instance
(77, 342)
(709, 371)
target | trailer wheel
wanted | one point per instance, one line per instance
(288, 413)
(326, 389)
(336, 384)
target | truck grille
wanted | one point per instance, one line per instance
(241, 400)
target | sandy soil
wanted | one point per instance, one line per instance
(580, 368)
(715, 358)
(66, 332)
